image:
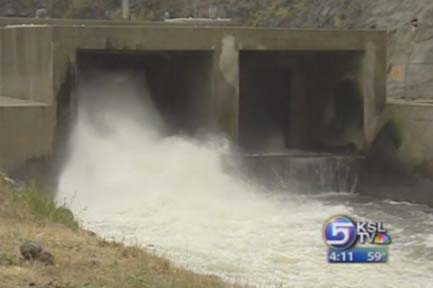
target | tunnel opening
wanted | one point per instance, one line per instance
(301, 101)
(179, 82)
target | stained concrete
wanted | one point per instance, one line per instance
(414, 120)
(399, 165)
(38, 61)
(26, 131)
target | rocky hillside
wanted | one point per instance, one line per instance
(410, 37)
(408, 22)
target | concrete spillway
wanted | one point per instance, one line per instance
(135, 174)
(305, 172)
(249, 84)
(177, 80)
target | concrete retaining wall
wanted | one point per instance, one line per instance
(27, 110)
(226, 43)
(26, 130)
(27, 63)
(414, 120)
(400, 164)
(36, 60)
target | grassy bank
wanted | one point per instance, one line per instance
(81, 259)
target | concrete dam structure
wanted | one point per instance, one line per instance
(223, 149)
(269, 90)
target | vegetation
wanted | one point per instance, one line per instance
(81, 259)
(255, 13)
(43, 206)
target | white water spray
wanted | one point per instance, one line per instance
(128, 181)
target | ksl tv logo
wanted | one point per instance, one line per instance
(342, 233)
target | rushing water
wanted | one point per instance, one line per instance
(129, 182)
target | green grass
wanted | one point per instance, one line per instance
(43, 206)
(7, 260)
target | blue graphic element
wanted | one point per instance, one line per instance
(359, 255)
(339, 232)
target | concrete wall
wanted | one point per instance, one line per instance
(27, 63)
(399, 165)
(37, 62)
(27, 121)
(226, 44)
(414, 120)
(26, 130)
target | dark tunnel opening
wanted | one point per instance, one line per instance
(306, 100)
(348, 116)
(179, 82)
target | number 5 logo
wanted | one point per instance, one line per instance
(339, 232)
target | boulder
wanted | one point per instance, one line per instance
(32, 251)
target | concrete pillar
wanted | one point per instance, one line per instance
(195, 8)
(126, 9)
(373, 71)
(226, 88)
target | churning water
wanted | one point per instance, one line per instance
(126, 180)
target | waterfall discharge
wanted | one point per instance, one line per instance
(127, 180)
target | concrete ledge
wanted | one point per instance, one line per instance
(304, 172)
(19, 20)
(412, 103)
(14, 102)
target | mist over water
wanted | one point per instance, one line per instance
(127, 179)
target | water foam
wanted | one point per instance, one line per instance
(128, 181)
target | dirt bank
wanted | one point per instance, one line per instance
(81, 259)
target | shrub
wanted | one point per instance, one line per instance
(43, 206)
